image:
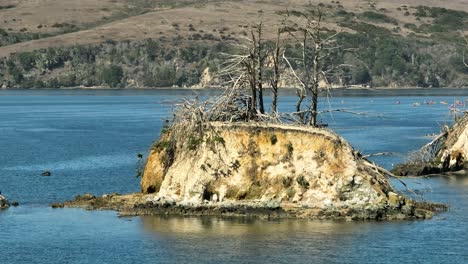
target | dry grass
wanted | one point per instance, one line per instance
(218, 17)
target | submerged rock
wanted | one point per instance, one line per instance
(46, 173)
(85, 197)
(303, 171)
(448, 152)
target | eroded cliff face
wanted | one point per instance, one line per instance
(456, 143)
(294, 167)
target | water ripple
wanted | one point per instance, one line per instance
(82, 163)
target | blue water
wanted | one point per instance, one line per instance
(89, 141)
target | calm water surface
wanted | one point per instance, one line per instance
(89, 140)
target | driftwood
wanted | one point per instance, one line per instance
(380, 154)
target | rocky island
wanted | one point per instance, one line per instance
(445, 155)
(263, 170)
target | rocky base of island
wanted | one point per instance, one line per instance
(427, 170)
(139, 204)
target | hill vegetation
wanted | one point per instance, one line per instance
(140, 43)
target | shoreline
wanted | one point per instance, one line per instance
(104, 88)
(138, 204)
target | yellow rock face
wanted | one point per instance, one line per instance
(154, 169)
(308, 166)
(457, 142)
(154, 173)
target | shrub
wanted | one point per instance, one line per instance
(112, 75)
(287, 181)
(457, 63)
(302, 182)
(193, 142)
(273, 139)
(165, 130)
(217, 139)
(7, 7)
(360, 75)
(290, 148)
(26, 60)
(161, 145)
(161, 76)
(377, 17)
(167, 158)
(17, 76)
(152, 49)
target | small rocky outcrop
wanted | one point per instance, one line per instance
(4, 203)
(297, 171)
(447, 153)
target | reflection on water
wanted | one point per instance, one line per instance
(458, 180)
(213, 240)
(88, 162)
(212, 226)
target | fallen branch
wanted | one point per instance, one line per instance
(351, 112)
(380, 154)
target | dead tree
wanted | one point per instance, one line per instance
(246, 69)
(464, 61)
(315, 48)
(260, 63)
(254, 64)
(250, 65)
(275, 54)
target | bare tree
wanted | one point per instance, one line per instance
(260, 63)
(246, 70)
(250, 65)
(316, 46)
(278, 49)
(464, 61)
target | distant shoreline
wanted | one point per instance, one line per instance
(221, 88)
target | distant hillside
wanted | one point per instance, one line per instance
(143, 43)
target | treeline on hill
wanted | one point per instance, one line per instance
(381, 57)
(117, 65)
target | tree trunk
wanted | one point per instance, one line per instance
(313, 110)
(253, 74)
(274, 101)
(260, 69)
(253, 88)
(301, 96)
(302, 93)
(276, 74)
(315, 84)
